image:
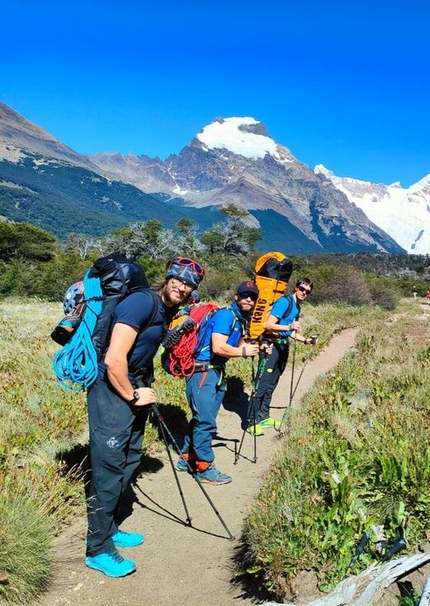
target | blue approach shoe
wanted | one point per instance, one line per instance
(111, 563)
(127, 539)
(182, 465)
(213, 476)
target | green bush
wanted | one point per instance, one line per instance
(356, 457)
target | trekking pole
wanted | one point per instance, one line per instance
(252, 408)
(164, 430)
(292, 391)
(140, 383)
(299, 378)
(293, 362)
(293, 388)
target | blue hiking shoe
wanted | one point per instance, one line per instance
(269, 422)
(212, 476)
(182, 465)
(127, 539)
(185, 462)
(111, 563)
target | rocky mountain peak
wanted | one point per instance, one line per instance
(230, 160)
(19, 136)
(245, 137)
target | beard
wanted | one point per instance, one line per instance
(172, 297)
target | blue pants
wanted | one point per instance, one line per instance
(205, 393)
(116, 435)
(274, 366)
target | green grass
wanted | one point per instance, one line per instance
(356, 457)
(364, 425)
(25, 531)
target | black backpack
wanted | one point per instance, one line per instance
(86, 340)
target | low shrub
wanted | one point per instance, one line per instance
(356, 459)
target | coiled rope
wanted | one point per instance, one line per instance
(182, 355)
(76, 364)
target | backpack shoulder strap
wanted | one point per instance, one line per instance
(290, 306)
(155, 306)
(235, 318)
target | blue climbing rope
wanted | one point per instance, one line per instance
(76, 364)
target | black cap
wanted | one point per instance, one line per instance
(247, 287)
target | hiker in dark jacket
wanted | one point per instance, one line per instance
(205, 388)
(282, 324)
(118, 409)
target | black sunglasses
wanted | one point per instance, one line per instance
(248, 295)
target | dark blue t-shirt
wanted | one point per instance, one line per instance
(136, 310)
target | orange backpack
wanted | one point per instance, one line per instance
(272, 272)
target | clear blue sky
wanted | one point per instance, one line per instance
(345, 84)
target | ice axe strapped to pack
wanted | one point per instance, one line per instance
(272, 272)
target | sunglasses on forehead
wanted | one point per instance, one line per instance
(186, 262)
(304, 289)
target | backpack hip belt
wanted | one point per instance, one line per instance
(205, 367)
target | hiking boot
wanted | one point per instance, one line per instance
(269, 422)
(255, 430)
(184, 463)
(127, 539)
(212, 476)
(111, 563)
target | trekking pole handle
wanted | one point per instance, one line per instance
(139, 382)
(314, 338)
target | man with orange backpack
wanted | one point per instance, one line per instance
(282, 324)
(205, 387)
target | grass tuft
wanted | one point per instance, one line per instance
(25, 545)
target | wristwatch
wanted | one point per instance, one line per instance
(136, 397)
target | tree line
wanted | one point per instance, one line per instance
(34, 263)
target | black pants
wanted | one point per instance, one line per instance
(272, 365)
(116, 435)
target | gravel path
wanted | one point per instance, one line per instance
(182, 565)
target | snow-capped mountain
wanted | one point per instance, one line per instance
(235, 160)
(402, 213)
(231, 160)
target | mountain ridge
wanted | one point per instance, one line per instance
(264, 178)
(234, 159)
(404, 213)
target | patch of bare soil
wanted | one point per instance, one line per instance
(181, 564)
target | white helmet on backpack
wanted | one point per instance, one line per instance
(73, 296)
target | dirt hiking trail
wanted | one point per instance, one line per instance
(181, 565)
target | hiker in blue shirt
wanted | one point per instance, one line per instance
(205, 388)
(282, 324)
(118, 409)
